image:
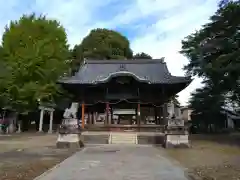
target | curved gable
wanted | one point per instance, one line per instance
(101, 71)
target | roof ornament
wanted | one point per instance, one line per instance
(162, 59)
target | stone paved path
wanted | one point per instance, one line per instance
(116, 162)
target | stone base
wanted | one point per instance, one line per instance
(69, 141)
(176, 141)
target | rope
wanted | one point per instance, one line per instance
(121, 100)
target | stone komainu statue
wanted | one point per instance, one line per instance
(70, 123)
(71, 112)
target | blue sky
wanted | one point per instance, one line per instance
(153, 26)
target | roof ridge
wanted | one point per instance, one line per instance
(125, 61)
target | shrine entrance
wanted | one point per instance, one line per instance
(125, 119)
(115, 95)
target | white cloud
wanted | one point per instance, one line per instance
(173, 20)
(75, 15)
(164, 37)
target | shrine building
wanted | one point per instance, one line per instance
(120, 95)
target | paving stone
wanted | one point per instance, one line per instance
(118, 162)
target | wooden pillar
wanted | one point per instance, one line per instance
(112, 116)
(165, 114)
(107, 114)
(83, 115)
(138, 115)
(89, 118)
(160, 109)
(155, 114)
(92, 117)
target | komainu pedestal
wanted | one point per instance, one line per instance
(69, 134)
(176, 134)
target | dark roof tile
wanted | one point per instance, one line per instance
(153, 71)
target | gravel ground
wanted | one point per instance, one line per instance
(213, 157)
(26, 156)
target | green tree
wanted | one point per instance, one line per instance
(3, 84)
(213, 51)
(105, 44)
(207, 104)
(35, 53)
(76, 57)
(214, 55)
(101, 44)
(142, 55)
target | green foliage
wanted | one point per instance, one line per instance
(105, 44)
(206, 100)
(214, 50)
(142, 55)
(101, 44)
(35, 53)
(77, 58)
(3, 83)
(207, 104)
(214, 55)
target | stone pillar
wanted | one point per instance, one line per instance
(19, 127)
(83, 115)
(51, 122)
(41, 121)
(11, 127)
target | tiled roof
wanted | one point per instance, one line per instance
(152, 71)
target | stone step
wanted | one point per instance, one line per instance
(123, 138)
(123, 142)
